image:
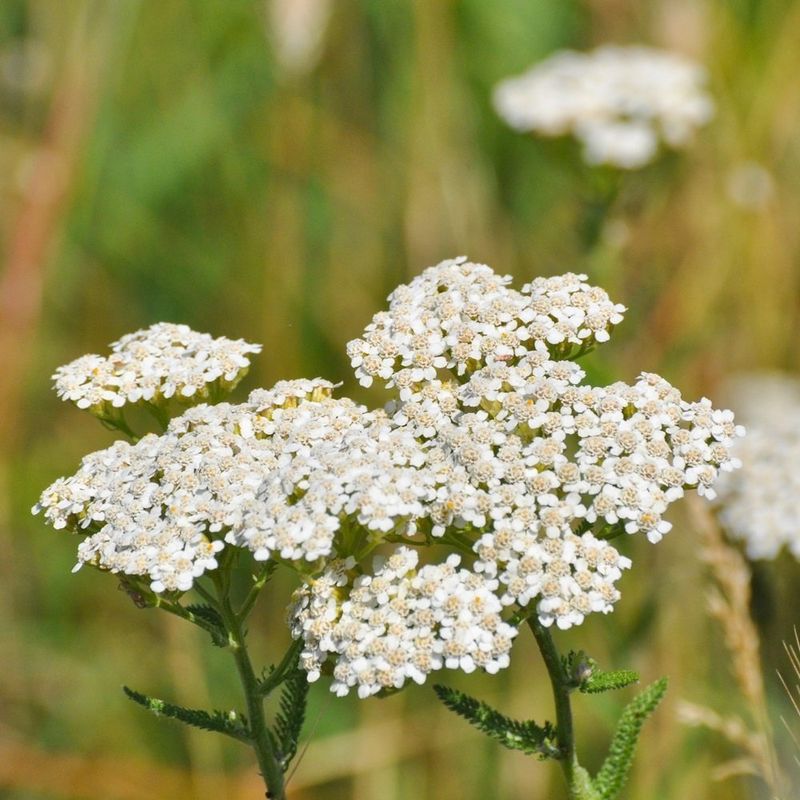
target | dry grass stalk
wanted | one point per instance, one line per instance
(729, 605)
(793, 692)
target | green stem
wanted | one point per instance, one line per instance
(579, 786)
(160, 414)
(268, 760)
(279, 674)
(118, 423)
(258, 584)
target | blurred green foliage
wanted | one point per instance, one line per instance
(162, 161)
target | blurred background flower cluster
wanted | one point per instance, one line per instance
(271, 169)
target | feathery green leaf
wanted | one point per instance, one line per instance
(614, 772)
(289, 719)
(600, 681)
(209, 620)
(228, 722)
(526, 736)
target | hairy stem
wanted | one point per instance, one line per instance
(578, 783)
(268, 760)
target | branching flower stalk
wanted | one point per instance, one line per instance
(560, 681)
(492, 446)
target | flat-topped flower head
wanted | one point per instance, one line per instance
(758, 503)
(401, 622)
(532, 444)
(154, 365)
(278, 475)
(620, 103)
(520, 447)
(459, 316)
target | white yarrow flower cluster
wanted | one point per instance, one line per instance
(620, 103)
(570, 576)
(278, 475)
(494, 445)
(459, 316)
(152, 366)
(400, 623)
(758, 503)
(528, 454)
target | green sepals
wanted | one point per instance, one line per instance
(230, 723)
(285, 733)
(612, 775)
(525, 736)
(582, 674)
(578, 667)
(210, 621)
(600, 681)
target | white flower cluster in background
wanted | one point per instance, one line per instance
(278, 475)
(619, 102)
(758, 503)
(297, 29)
(401, 622)
(153, 365)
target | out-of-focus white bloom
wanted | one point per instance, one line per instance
(297, 29)
(758, 503)
(629, 145)
(618, 102)
(152, 366)
(278, 475)
(401, 622)
(750, 186)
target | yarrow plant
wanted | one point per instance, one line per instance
(621, 103)
(493, 447)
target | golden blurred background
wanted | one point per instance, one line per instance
(271, 169)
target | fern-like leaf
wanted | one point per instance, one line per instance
(209, 620)
(525, 736)
(291, 714)
(227, 722)
(600, 681)
(612, 775)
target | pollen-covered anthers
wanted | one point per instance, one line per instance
(567, 576)
(154, 365)
(461, 316)
(278, 475)
(401, 622)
